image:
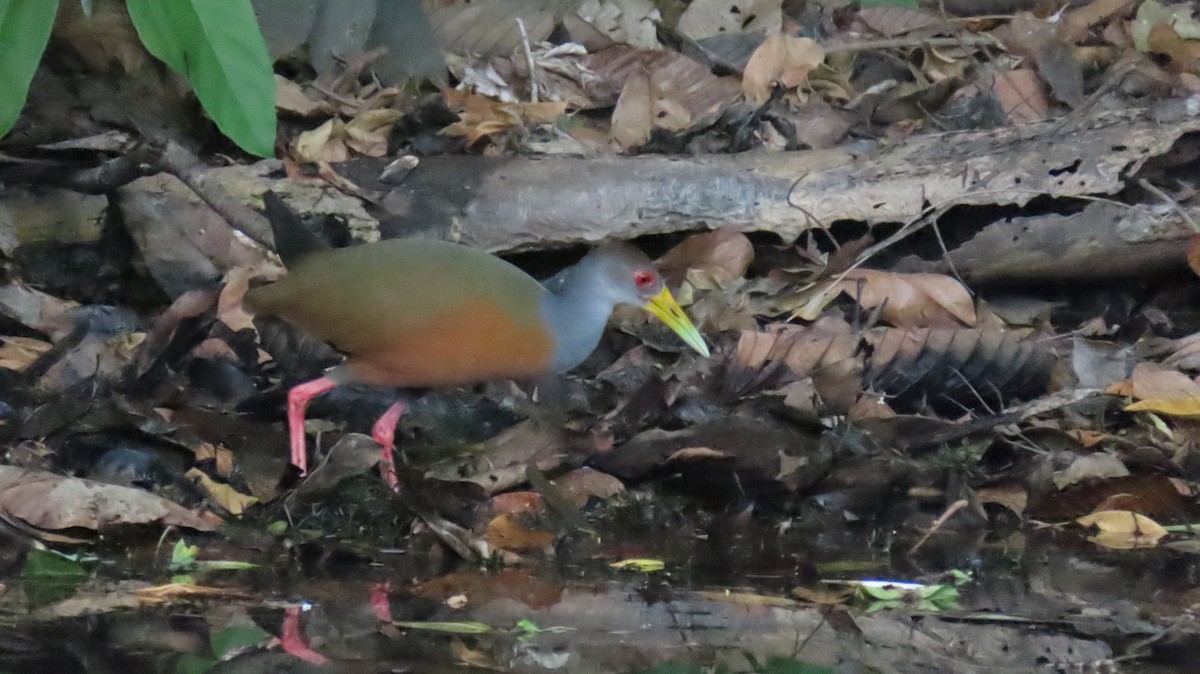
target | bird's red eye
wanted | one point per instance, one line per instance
(643, 279)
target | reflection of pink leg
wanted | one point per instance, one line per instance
(379, 602)
(293, 642)
(298, 399)
(384, 433)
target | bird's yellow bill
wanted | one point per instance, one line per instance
(664, 306)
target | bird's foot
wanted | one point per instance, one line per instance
(297, 402)
(384, 432)
(293, 641)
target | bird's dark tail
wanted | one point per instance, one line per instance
(293, 241)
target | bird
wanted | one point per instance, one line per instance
(416, 313)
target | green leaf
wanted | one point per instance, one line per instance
(217, 46)
(48, 577)
(190, 663)
(24, 30)
(183, 556)
(236, 638)
(40, 564)
(778, 664)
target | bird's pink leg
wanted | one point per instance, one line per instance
(298, 399)
(293, 641)
(384, 433)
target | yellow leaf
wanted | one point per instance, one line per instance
(639, 565)
(1176, 407)
(224, 495)
(1123, 529)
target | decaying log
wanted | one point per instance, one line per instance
(512, 203)
(516, 203)
(1103, 241)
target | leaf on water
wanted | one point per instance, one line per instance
(1012, 496)
(48, 501)
(780, 61)
(1097, 466)
(505, 532)
(447, 627)
(1123, 529)
(639, 565)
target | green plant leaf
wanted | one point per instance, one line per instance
(49, 576)
(190, 663)
(237, 638)
(183, 556)
(217, 46)
(24, 30)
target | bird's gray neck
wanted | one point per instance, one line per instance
(577, 310)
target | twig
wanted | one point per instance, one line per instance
(984, 40)
(1187, 217)
(533, 85)
(941, 521)
(182, 164)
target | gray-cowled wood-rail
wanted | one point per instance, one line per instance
(418, 313)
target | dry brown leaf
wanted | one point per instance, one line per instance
(505, 532)
(697, 453)
(229, 303)
(1163, 39)
(828, 595)
(710, 260)
(1097, 466)
(49, 501)
(480, 116)
(1155, 381)
(705, 18)
(1097, 11)
(367, 134)
(780, 61)
(222, 458)
(170, 590)
(321, 144)
(582, 484)
(895, 21)
(911, 300)
(1013, 497)
(289, 97)
(16, 353)
(517, 502)
(633, 116)
(1022, 95)
(1057, 65)
(1087, 438)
